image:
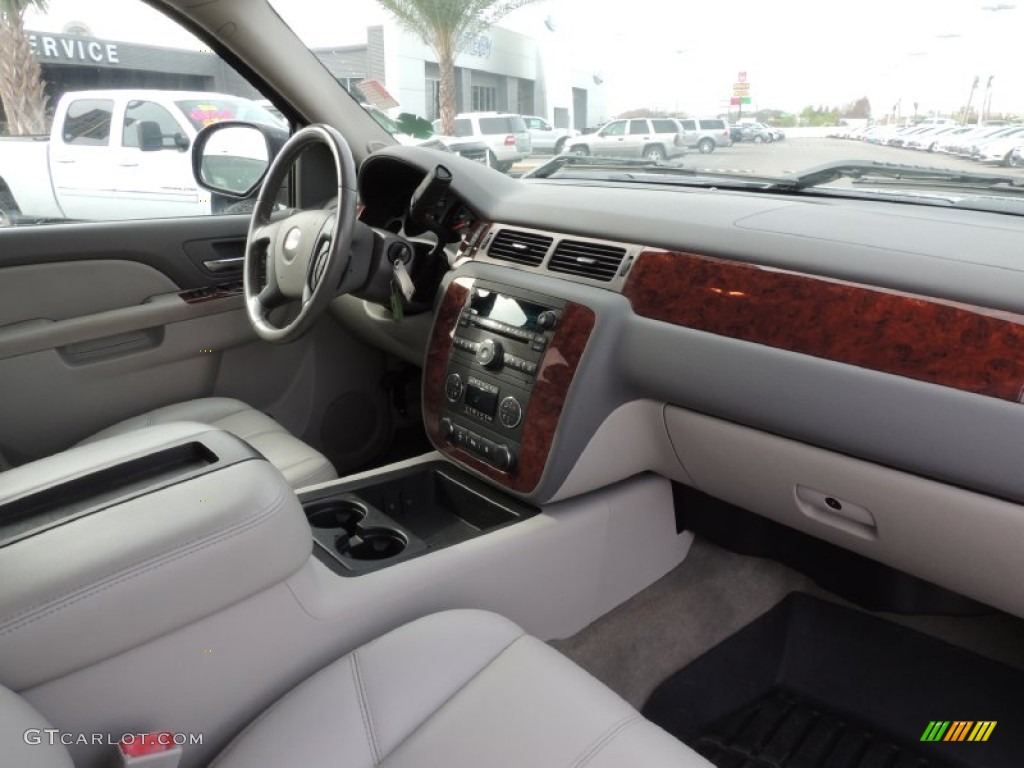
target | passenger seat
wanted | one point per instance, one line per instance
(462, 689)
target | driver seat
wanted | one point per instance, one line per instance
(300, 464)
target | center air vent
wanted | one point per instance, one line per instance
(520, 247)
(592, 260)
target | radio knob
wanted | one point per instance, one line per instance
(547, 320)
(504, 459)
(490, 353)
(510, 412)
(447, 428)
(453, 388)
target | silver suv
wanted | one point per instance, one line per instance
(706, 133)
(505, 135)
(651, 138)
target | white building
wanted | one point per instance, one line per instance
(500, 70)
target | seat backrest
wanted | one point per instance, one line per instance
(24, 740)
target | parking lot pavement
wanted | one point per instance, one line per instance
(795, 155)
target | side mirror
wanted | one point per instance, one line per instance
(232, 157)
(151, 138)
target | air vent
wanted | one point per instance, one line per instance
(592, 260)
(520, 247)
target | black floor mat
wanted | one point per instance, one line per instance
(814, 684)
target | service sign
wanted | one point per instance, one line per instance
(63, 48)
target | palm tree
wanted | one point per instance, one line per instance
(447, 27)
(22, 93)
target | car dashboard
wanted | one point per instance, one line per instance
(791, 354)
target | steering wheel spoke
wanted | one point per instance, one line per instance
(263, 232)
(271, 297)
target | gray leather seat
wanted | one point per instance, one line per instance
(300, 464)
(462, 689)
(20, 723)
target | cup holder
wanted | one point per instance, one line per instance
(337, 514)
(373, 544)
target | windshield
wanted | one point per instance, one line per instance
(748, 89)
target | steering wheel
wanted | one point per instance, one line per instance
(306, 253)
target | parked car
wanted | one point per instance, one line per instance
(652, 138)
(706, 133)
(758, 133)
(546, 138)
(969, 143)
(920, 138)
(505, 135)
(1000, 151)
(106, 143)
(471, 149)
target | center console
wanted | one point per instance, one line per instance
(499, 366)
(102, 541)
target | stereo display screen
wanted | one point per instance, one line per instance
(505, 309)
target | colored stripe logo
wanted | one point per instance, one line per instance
(958, 730)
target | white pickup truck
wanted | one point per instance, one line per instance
(115, 154)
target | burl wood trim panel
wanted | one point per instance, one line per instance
(554, 376)
(973, 349)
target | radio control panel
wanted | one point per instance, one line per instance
(496, 352)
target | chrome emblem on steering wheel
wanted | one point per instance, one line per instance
(291, 243)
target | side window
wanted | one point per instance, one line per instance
(665, 126)
(618, 128)
(87, 122)
(689, 125)
(713, 125)
(463, 127)
(139, 114)
(638, 127)
(109, 85)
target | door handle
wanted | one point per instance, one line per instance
(128, 164)
(63, 160)
(224, 265)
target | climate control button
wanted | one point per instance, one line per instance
(510, 412)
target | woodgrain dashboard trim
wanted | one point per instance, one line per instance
(554, 377)
(969, 348)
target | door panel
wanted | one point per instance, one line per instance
(61, 291)
(93, 330)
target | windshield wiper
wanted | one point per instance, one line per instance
(642, 167)
(875, 172)
(860, 173)
(550, 167)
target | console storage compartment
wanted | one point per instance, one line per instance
(374, 521)
(103, 540)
